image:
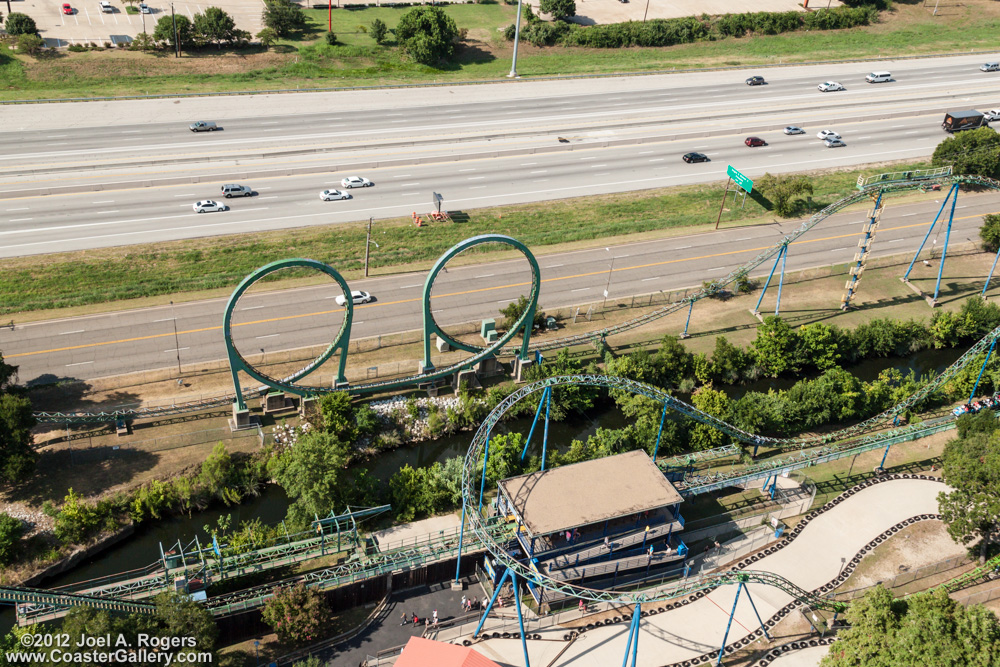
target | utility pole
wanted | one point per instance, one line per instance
(517, 38)
(177, 44)
(368, 242)
(647, 11)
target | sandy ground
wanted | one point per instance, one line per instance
(590, 12)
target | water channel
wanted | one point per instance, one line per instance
(143, 547)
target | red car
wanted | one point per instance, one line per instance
(755, 141)
(67, 9)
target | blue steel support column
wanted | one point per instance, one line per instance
(722, 649)
(633, 636)
(882, 464)
(983, 369)
(482, 483)
(531, 431)
(493, 598)
(635, 644)
(926, 236)
(989, 277)
(684, 334)
(781, 280)
(947, 235)
(769, 276)
(762, 626)
(520, 619)
(545, 433)
(660, 432)
(461, 536)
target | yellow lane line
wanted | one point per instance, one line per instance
(451, 294)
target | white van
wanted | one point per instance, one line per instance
(879, 77)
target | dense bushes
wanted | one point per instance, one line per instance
(668, 32)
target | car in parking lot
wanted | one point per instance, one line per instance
(754, 141)
(827, 134)
(356, 182)
(834, 142)
(106, 7)
(990, 67)
(695, 157)
(356, 298)
(144, 8)
(756, 81)
(66, 8)
(331, 195)
(829, 86)
(209, 206)
(792, 129)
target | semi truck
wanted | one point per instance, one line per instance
(956, 121)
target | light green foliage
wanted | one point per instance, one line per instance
(513, 311)
(819, 345)
(282, 17)
(990, 232)
(76, 520)
(30, 44)
(971, 152)
(378, 30)
(558, 9)
(917, 631)
(11, 530)
(164, 31)
(267, 38)
(215, 25)
(673, 362)
(728, 361)
(972, 509)
(311, 473)
(774, 349)
(427, 34)
(717, 404)
(20, 24)
(784, 192)
(338, 416)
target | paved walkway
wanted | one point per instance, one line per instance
(807, 657)
(811, 560)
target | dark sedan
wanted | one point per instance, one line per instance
(756, 81)
(695, 157)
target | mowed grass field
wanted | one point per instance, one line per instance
(308, 62)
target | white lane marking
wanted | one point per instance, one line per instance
(597, 166)
(682, 247)
(908, 214)
(592, 157)
(409, 194)
(178, 349)
(507, 301)
(106, 212)
(19, 209)
(528, 164)
(20, 219)
(840, 249)
(648, 279)
(169, 319)
(582, 289)
(912, 132)
(658, 159)
(409, 286)
(402, 175)
(477, 187)
(82, 363)
(463, 170)
(553, 266)
(408, 185)
(486, 275)
(896, 241)
(268, 336)
(186, 194)
(646, 152)
(476, 178)
(270, 197)
(541, 171)
(131, 131)
(67, 333)
(253, 307)
(57, 143)
(104, 201)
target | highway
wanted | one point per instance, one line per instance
(102, 178)
(265, 322)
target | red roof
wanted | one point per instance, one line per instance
(420, 652)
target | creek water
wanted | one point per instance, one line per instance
(143, 547)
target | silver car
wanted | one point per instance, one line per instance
(791, 129)
(209, 206)
(356, 298)
(829, 86)
(331, 195)
(990, 67)
(834, 143)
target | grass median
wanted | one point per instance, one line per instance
(197, 266)
(909, 29)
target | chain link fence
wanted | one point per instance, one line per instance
(98, 452)
(901, 583)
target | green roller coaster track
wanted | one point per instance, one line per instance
(906, 181)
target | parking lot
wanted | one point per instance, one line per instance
(87, 23)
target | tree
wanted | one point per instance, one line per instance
(408, 493)
(20, 24)
(164, 31)
(267, 38)
(179, 616)
(783, 190)
(716, 404)
(17, 453)
(924, 629)
(427, 34)
(296, 614)
(11, 530)
(972, 509)
(338, 416)
(990, 232)
(215, 25)
(378, 30)
(283, 17)
(558, 9)
(970, 152)
(30, 44)
(673, 362)
(513, 311)
(309, 472)
(774, 349)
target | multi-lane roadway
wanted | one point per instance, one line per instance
(123, 174)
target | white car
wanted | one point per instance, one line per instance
(144, 8)
(209, 206)
(828, 86)
(791, 129)
(992, 115)
(827, 134)
(356, 298)
(834, 143)
(331, 195)
(356, 182)
(990, 67)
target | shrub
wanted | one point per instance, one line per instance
(331, 38)
(558, 9)
(20, 24)
(296, 614)
(990, 232)
(30, 44)
(282, 17)
(427, 34)
(11, 530)
(378, 31)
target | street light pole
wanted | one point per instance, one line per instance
(517, 38)
(368, 242)
(177, 345)
(607, 287)
(647, 11)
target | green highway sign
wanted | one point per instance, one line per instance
(740, 179)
